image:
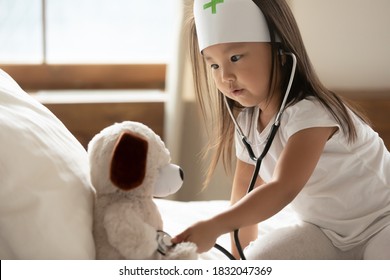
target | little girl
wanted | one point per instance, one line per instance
(324, 159)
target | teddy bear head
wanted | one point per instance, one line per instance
(129, 156)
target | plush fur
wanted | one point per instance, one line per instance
(129, 166)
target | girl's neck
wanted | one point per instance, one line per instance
(268, 110)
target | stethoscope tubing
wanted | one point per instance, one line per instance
(251, 154)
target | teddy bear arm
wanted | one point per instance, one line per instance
(127, 233)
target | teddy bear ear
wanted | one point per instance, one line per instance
(128, 163)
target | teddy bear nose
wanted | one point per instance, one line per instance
(181, 174)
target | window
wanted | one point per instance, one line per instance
(56, 44)
(20, 31)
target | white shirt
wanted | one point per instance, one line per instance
(348, 194)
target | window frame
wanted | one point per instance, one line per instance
(48, 76)
(35, 77)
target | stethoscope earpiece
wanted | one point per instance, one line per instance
(282, 55)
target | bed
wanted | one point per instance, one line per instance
(35, 145)
(177, 215)
(46, 199)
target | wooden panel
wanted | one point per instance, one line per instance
(115, 76)
(376, 106)
(86, 120)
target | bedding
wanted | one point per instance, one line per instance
(178, 215)
(46, 198)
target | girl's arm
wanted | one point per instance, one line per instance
(293, 170)
(242, 177)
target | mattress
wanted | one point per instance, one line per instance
(178, 215)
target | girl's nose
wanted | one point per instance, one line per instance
(228, 76)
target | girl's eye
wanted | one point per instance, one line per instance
(235, 58)
(214, 66)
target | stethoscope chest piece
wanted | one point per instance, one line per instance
(164, 242)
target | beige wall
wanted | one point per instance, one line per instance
(349, 44)
(193, 139)
(348, 40)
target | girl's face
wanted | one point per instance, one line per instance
(241, 71)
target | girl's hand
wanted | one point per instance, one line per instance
(204, 234)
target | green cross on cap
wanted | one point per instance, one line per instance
(213, 5)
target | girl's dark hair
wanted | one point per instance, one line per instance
(282, 25)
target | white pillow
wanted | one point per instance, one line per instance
(46, 199)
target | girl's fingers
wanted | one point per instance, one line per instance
(178, 238)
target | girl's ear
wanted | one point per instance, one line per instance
(128, 162)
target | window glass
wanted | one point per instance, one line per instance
(20, 31)
(87, 31)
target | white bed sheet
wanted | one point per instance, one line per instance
(178, 215)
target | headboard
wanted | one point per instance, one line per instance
(85, 120)
(375, 104)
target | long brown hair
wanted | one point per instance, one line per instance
(281, 24)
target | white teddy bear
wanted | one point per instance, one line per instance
(129, 166)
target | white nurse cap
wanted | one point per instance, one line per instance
(229, 21)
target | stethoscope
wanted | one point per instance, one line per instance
(252, 155)
(163, 238)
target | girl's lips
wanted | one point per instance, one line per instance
(237, 92)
